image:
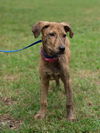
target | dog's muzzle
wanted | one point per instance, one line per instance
(62, 48)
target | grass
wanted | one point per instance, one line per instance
(19, 77)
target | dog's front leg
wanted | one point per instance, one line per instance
(43, 98)
(69, 96)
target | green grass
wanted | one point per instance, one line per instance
(19, 77)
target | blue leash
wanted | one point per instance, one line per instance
(10, 51)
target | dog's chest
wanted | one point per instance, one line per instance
(53, 71)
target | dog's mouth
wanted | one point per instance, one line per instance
(56, 54)
(61, 52)
(53, 53)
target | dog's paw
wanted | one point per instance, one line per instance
(39, 115)
(71, 118)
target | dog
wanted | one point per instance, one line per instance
(55, 57)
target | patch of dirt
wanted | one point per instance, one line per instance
(11, 77)
(88, 73)
(90, 103)
(95, 76)
(7, 101)
(98, 83)
(7, 121)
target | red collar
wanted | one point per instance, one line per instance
(47, 58)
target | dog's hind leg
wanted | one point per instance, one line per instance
(68, 91)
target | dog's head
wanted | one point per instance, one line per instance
(53, 36)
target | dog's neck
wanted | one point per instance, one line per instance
(47, 57)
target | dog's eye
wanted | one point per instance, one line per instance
(64, 35)
(51, 34)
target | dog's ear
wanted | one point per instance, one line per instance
(67, 28)
(37, 28)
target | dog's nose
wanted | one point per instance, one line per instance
(61, 48)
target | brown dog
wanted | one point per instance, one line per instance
(55, 55)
